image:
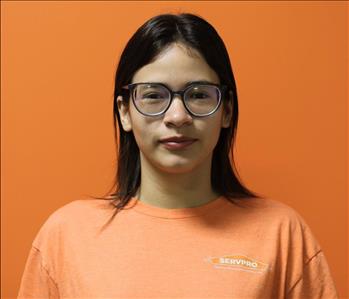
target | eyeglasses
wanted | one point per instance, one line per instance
(154, 99)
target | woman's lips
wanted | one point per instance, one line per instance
(177, 145)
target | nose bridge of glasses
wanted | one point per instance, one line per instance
(177, 111)
(180, 95)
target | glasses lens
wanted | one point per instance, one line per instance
(202, 99)
(151, 98)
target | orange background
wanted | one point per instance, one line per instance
(57, 69)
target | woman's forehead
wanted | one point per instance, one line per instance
(176, 68)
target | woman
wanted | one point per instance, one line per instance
(185, 227)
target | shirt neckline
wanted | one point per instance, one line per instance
(154, 211)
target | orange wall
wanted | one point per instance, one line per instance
(57, 69)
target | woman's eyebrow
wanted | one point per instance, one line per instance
(198, 82)
(186, 84)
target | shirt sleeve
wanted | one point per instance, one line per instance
(315, 282)
(36, 281)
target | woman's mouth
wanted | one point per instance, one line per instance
(177, 145)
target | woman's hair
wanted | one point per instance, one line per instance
(153, 37)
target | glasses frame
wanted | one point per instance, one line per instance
(221, 88)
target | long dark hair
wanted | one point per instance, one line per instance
(148, 41)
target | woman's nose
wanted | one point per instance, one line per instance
(177, 114)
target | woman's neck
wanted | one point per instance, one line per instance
(177, 189)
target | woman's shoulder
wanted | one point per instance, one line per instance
(80, 207)
(267, 207)
(71, 218)
(271, 213)
(76, 209)
(272, 217)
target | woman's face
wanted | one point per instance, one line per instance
(175, 67)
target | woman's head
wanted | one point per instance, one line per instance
(175, 49)
(176, 66)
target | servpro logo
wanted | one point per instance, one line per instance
(238, 262)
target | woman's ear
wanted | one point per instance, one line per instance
(124, 112)
(227, 111)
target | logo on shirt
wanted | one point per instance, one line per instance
(238, 262)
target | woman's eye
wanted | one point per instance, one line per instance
(198, 95)
(153, 96)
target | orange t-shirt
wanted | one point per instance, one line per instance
(260, 249)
